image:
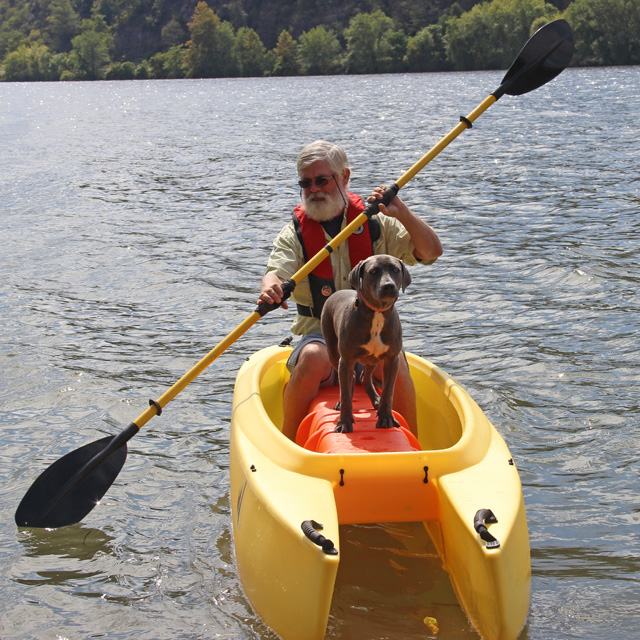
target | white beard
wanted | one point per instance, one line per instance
(324, 206)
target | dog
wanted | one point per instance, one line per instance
(362, 325)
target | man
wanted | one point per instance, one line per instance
(326, 208)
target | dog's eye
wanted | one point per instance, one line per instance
(374, 270)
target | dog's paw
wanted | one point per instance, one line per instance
(386, 421)
(344, 426)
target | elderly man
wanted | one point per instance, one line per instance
(326, 208)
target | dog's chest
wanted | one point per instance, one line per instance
(375, 346)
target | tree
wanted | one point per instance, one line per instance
(64, 24)
(173, 33)
(606, 31)
(121, 71)
(398, 42)
(91, 49)
(170, 64)
(491, 34)
(249, 52)
(425, 51)
(31, 63)
(368, 47)
(202, 49)
(286, 53)
(209, 52)
(319, 51)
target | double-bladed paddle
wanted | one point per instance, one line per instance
(71, 487)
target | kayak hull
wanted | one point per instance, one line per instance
(463, 466)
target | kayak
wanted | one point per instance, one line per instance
(289, 499)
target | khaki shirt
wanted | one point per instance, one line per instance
(287, 257)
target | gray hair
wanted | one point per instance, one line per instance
(323, 150)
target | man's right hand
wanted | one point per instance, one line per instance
(271, 290)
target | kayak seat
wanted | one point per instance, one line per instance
(316, 431)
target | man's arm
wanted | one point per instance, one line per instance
(427, 245)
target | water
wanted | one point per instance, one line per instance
(136, 222)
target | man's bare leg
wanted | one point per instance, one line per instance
(311, 369)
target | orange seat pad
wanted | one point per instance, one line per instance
(317, 430)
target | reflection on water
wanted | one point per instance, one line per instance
(390, 577)
(137, 218)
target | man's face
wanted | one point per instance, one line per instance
(325, 202)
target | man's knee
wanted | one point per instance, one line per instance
(313, 361)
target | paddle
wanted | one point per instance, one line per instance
(72, 486)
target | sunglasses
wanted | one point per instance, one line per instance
(320, 181)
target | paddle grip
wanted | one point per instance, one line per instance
(373, 207)
(287, 289)
(309, 528)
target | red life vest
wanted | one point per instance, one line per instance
(312, 238)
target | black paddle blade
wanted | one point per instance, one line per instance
(546, 54)
(71, 487)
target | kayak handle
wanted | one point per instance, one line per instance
(482, 516)
(310, 529)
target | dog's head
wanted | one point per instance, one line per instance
(380, 278)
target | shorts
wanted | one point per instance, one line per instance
(332, 379)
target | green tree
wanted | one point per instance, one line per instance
(491, 34)
(121, 71)
(398, 42)
(63, 24)
(425, 51)
(286, 53)
(368, 47)
(91, 49)
(173, 32)
(606, 31)
(29, 63)
(209, 52)
(319, 51)
(169, 64)
(249, 52)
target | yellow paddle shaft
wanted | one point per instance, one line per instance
(306, 269)
(195, 371)
(452, 135)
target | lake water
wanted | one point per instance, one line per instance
(136, 221)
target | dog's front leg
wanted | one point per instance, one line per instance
(346, 380)
(385, 414)
(369, 386)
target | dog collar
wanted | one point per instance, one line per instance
(368, 304)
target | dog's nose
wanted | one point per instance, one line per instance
(389, 288)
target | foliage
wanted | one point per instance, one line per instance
(31, 63)
(286, 54)
(491, 34)
(94, 39)
(319, 51)
(249, 53)
(91, 49)
(369, 49)
(606, 31)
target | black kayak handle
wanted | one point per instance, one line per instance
(310, 529)
(482, 516)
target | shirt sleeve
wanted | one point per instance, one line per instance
(396, 241)
(286, 255)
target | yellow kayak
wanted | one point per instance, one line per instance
(289, 499)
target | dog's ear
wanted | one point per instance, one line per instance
(356, 274)
(406, 276)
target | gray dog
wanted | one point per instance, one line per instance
(363, 326)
